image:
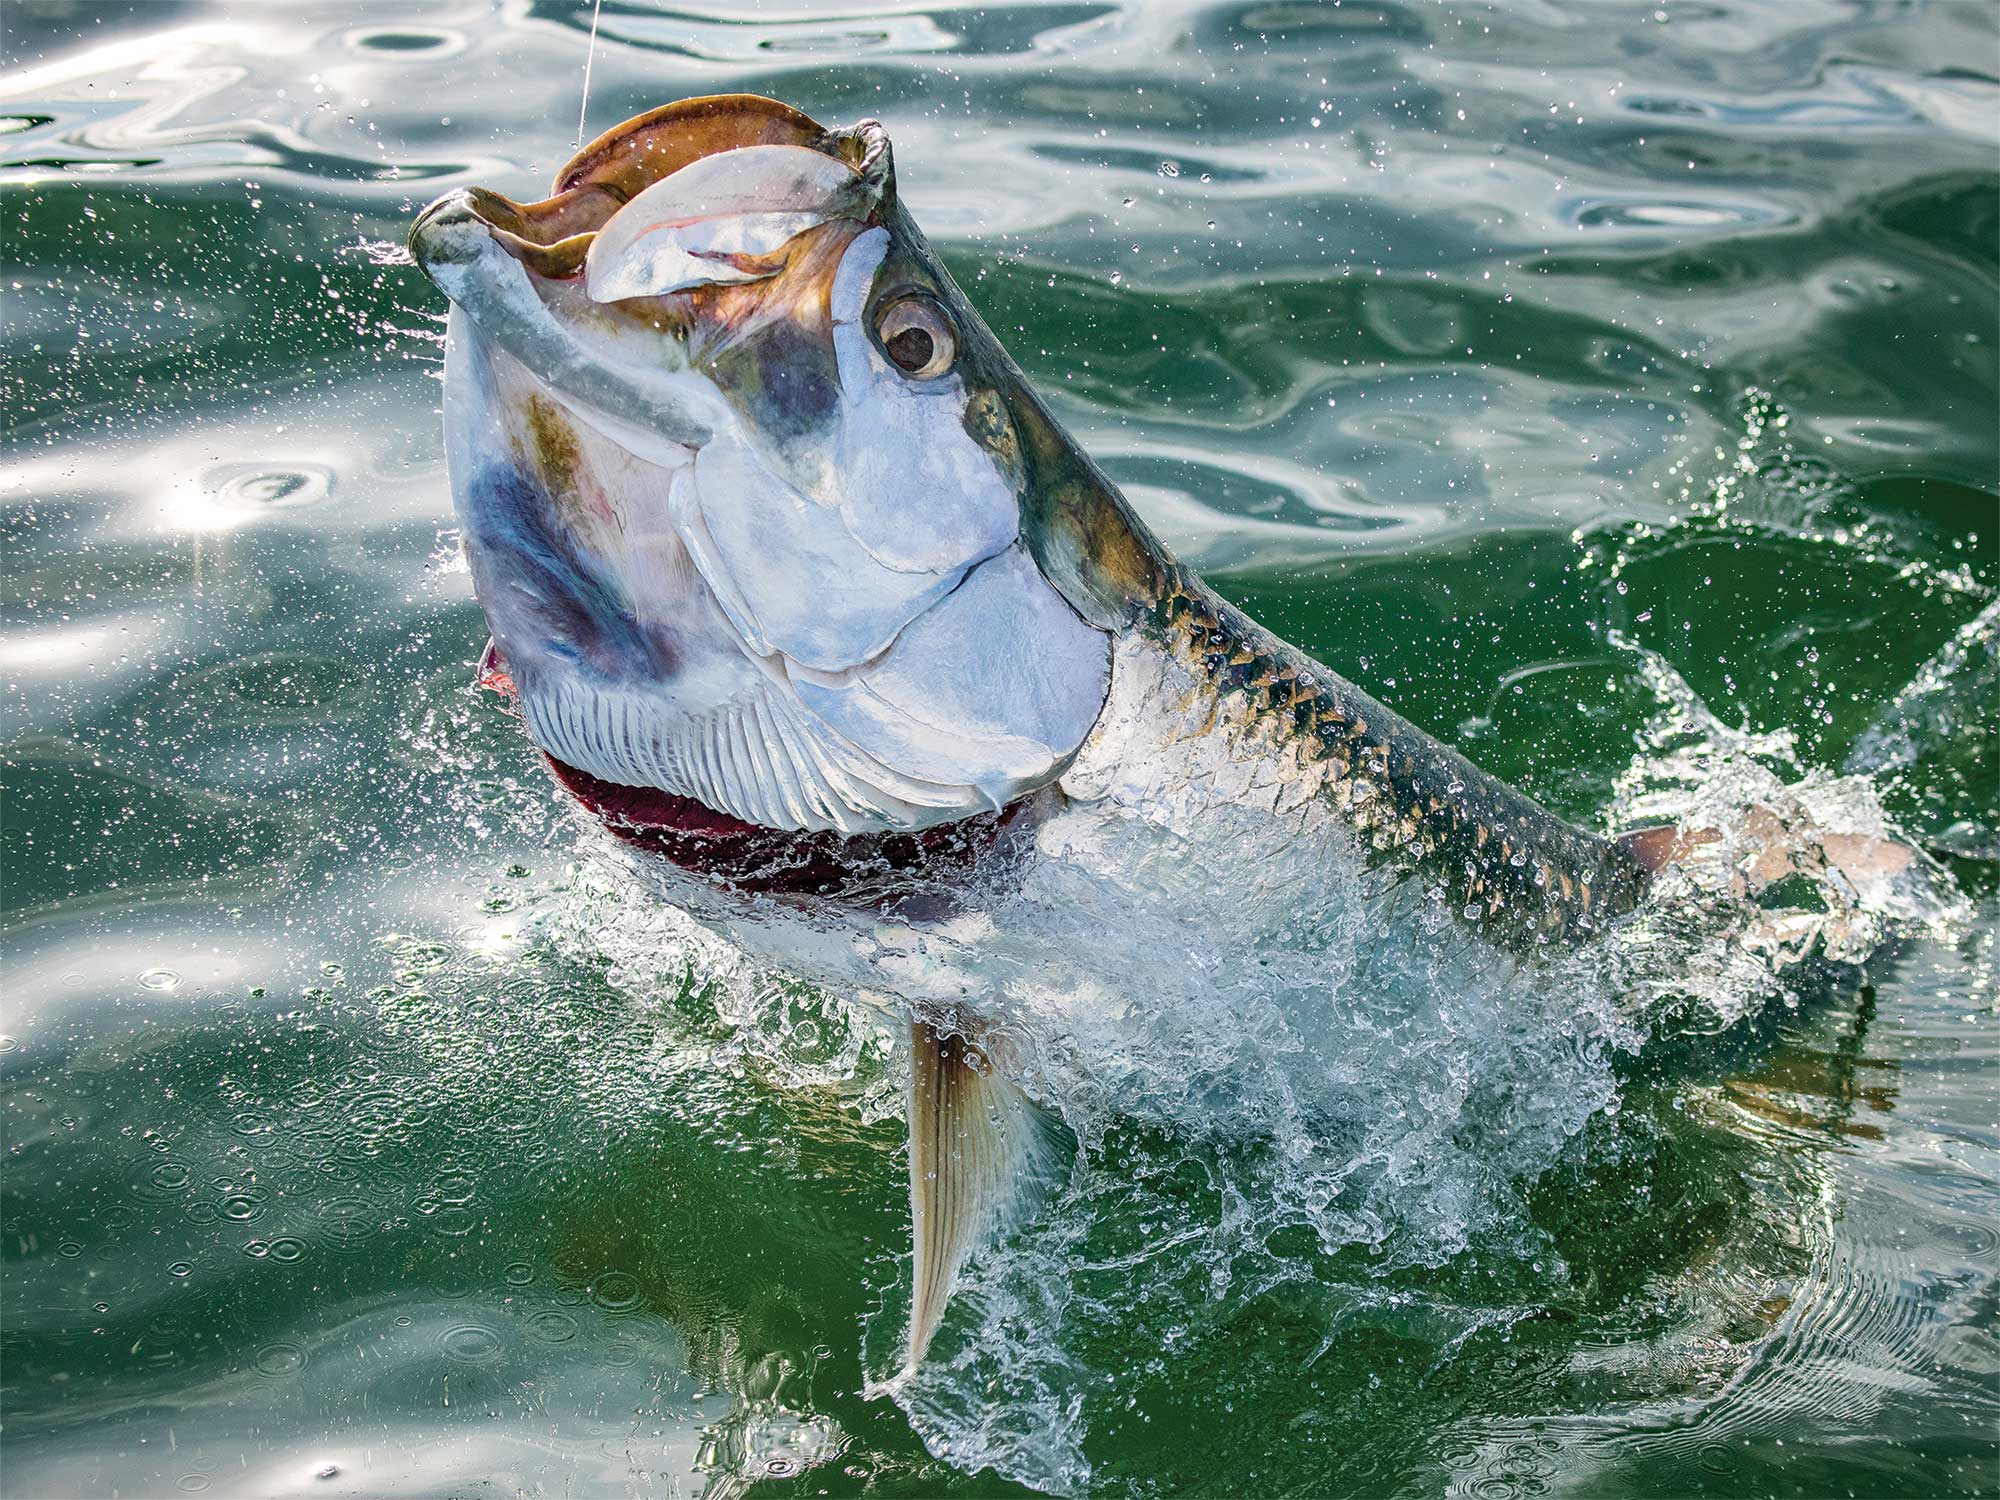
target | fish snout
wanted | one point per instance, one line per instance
(549, 238)
(447, 233)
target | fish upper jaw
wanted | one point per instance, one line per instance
(498, 279)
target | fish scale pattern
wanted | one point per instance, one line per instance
(1256, 721)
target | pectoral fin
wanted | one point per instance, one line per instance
(979, 1152)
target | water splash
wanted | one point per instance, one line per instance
(1797, 873)
(1277, 1071)
(1939, 742)
(1763, 482)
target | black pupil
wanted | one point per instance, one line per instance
(911, 349)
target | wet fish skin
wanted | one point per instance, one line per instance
(1222, 688)
(734, 551)
(755, 364)
(1519, 874)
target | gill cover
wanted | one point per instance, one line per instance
(727, 545)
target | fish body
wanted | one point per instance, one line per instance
(797, 582)
(1208, 709)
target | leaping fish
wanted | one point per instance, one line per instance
(797, 581)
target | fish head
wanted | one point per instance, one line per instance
(758, 510)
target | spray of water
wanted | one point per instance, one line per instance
(1277, 1071)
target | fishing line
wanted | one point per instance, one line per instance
(589, 56)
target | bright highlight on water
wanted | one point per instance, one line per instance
(894, 984)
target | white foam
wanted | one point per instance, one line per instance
(1267, 1057)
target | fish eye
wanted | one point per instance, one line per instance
(917, 336)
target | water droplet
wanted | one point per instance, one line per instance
(616, 1291)
(552, 1327)
(471, 1344)
(180, 1268)
(160, 979)
(281, 1359)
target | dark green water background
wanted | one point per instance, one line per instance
(1450, 340)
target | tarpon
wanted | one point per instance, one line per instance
(797, 581)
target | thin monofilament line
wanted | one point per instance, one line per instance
(589, 56)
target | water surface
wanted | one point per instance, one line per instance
(1611, 388)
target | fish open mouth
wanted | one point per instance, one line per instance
(554, 237)
(528, 275)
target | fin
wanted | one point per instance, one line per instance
(1663, 844)
(977, 1147)
(1783, 847)
(493, 674)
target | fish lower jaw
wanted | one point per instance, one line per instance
(773, 861)
(759, 758)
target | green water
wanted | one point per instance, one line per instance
(1472, 348)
